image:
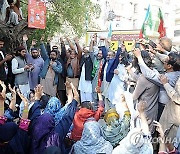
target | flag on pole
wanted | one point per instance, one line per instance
(110, 30)
(161, 28)
(147, 23)
(86, 22)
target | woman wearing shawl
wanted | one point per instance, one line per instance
(13, 138)
(53, 108)
(114, 130)
(83, 114)
(138, 140)
(92, 141)
(31, 100)
(45, 131)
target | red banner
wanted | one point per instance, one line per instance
(36, 14)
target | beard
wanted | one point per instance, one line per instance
(22, 57)
(2, 49)
(53, 59)
(99, 58)
(34, 57)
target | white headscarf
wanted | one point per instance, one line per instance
(134, 143)
(92, 141)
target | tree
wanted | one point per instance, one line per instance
(60, 15)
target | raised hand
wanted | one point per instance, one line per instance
(68, 86)
(159, 128)
(163, 79)
(61, 40)
(13, 91)
(76, 40)
(42, 38)
(8, 57)
(141, 106)
(24, 99)
(98, 89)
(116, 72)
(25, 37)
(129, 67)
(3, 93)
(137, 52)
(38, 92)
(74, 90)
(33, 43)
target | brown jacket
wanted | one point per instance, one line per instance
(75, 63)
(170, 117)
(75, 66)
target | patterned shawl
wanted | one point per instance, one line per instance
(116, 131)
(53, 107)
(92, 141)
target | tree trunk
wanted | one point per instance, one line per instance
(13, 35)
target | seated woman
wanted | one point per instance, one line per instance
(31, 101)
(138, 140)
(83, 114)
(13, 138)
(92, 142)
(55, 109)
(114, 130)
(45, 132)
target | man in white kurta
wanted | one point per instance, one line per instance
(85, 87)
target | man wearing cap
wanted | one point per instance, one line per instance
(20, 70)
(86, 67)
(33, 59)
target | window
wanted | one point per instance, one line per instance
(135, 8)
(177, 22)
(145, 9)
(166, 15)
(167, 1)
(135, 24)
(178, 11)
(177, 33)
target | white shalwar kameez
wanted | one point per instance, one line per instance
(85, 87)
(116, 87)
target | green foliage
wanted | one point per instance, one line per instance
(66, 14)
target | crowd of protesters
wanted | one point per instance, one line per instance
(90, 100)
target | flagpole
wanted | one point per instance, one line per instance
(143, 30)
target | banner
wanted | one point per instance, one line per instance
(128, 37)
(36, 14)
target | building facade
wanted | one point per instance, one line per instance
(130, 14)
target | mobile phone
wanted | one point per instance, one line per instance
(151, 43)
(137, 45)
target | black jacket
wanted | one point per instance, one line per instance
(88, 67)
